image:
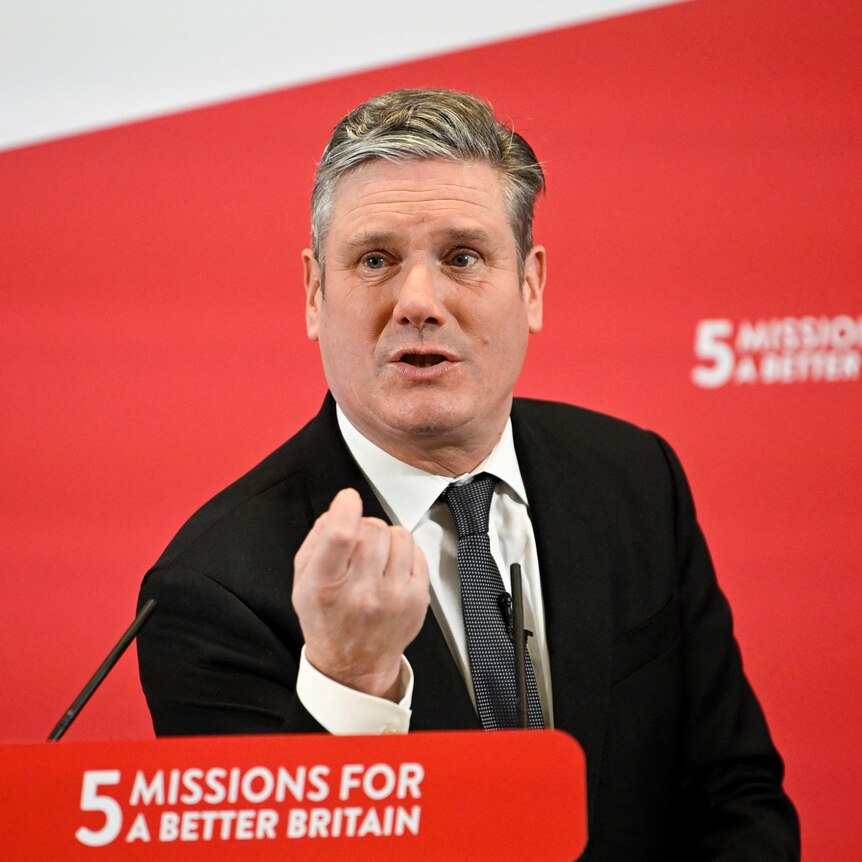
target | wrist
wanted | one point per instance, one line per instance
(382, 680)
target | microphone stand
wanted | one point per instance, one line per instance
(104, 668)
(519, 640)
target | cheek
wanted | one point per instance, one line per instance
(354, 318)
(501, 327)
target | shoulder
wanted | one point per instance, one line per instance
(608, 458)
(566, 428)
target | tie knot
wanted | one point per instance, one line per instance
(470, 504)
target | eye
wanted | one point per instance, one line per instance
(374, 261)
(462, 259)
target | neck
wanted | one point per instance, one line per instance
(440, 460)
(443, 454)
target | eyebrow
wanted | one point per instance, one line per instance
(468, 236)
(455, 236)
(369, 239)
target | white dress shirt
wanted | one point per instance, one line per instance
(411, 498)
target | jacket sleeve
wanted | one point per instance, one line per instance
(209, 664)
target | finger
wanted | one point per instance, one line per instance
(329, 545)
(400, 562)
(371, 550)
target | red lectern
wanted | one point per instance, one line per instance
(510, 795)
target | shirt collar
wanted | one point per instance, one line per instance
(407, 492)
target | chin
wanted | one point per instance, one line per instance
(425, 427)
(428, 421)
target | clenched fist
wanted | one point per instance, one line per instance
(360, 590)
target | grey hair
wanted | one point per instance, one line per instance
(429, 124)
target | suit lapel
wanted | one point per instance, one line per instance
(440, 698)
(575, 584)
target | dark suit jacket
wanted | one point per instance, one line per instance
(646, 673)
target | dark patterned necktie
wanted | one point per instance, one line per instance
(489, 645)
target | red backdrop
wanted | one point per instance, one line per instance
(703, 163)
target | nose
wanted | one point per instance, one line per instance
(420, 298)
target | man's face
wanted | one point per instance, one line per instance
(423, 321)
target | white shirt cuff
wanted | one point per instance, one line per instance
(345, 711)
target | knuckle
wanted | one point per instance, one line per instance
(401, 535)
(339, 535)
(369, 604)
(327, 596)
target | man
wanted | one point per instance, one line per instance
(297, 599)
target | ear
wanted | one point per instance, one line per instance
(313, 279)
(535, 271)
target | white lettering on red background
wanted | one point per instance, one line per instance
(259, 803)
(808, 349)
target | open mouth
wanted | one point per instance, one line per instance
(423, 360)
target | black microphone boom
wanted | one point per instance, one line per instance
(519, 638)
(104, 668)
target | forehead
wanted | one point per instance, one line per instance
(420, 191)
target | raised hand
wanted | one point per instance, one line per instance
(361, 593)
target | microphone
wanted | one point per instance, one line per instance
(519, 639)
(512, 609)
(104, 669)
(504, 601)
